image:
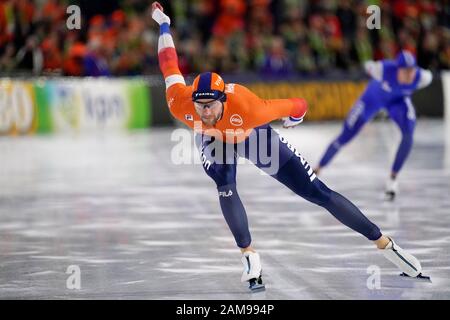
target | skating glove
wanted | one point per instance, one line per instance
(290, 122)
(158, 14)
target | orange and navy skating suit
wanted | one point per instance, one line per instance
(244, 117)
(243, 110)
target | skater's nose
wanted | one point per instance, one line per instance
(207, 112)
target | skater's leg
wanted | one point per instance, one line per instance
(224, 175)
(403, 114)
(295, 176)
(358, 116)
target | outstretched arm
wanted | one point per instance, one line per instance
(374, 69)
(167, 55)
(263, 111)
(296, 110)
(425, 78)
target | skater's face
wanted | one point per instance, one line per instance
(209, 111)
(406, 75)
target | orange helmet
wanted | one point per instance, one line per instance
(209, 85)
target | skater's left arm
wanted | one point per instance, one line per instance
(167, 55)
(425, 78)
(177, 93)
(264, 111)
(374, 69)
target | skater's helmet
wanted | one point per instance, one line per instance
(405, 59)
(209, 85)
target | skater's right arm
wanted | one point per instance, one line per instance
(263, 111)
(425, 78)
(176, 90)
(374, 69)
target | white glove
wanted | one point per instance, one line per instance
(160, 17)
(290, 122)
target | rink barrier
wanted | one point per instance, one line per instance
(73, 105)
(45, 105)
(326, 100)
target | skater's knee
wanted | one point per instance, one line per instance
(222, 174)
(374, 233)
(338, 143)
(407, 129)
(407, 141)
(341, 140)
(243, 241)
(407, 135)
(224, 180)
(344, 137)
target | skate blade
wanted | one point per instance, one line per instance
(257, 288)
(419, 277)
(389, 196)
(256, 285)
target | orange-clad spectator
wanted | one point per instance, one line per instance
(96, 27)
(332, 25)
(231, 17)
(118, 18)
(51, 53)
(427, 6)
(117, 24)
(26, 9)
(260, 13)
(73, 65)
(53, 10)
(4, 34)
(235, 34)
(412, 10)
(399, 8)
(109, 41)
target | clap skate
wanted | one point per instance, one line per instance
(391, 190)
(252, 271)
(406, 262)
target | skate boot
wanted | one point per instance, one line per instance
(252, 271)
(391, 189)
(406, 262)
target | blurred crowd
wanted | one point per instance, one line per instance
(271, 37)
